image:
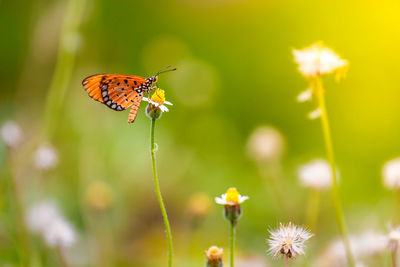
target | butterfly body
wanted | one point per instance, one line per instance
(119, 92)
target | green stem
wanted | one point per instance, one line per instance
(232, 243)
(20, 216)
(159, 197)
(313, 208)
(69, 40)
(319, 90)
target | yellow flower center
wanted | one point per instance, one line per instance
(158, 96)
(232, 195)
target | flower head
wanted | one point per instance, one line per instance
(265, 144)
(46, 157)
(391, 174)
(318, 59)
(158, 100)
(60, 234)
(11, 134)
(288, 240)
(231, 198)
(214, 256)
(316, 174)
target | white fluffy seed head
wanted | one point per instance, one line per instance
(46, 157)
(391, 174)
(11, 134)
(318, 59)
(265, 144)
(60, 234)
(316, 174)
(289, 240)
(41, 215)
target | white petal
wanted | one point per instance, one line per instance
(168, 103)
(164, 108)
(242, 199)
(145, 99)
(220, 201)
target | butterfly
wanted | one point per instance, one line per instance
(120, 92)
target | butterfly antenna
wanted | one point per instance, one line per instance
(165, 69)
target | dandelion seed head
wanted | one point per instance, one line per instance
(391, 174)
(265, 144)
(60, 234)
(214, 254)
(46, 157)
(316, 174)
(318, 59)
(231, 198)
(41, 215)
(289, 240)
(11, 134)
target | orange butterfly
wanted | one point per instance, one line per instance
(120, 92)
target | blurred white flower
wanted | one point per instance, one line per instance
(265, 144)
(45, 220)
(60, 234)
(394, 239)
(318, 59)
(41, 215)
(288, 240)
(315, 114)
(316, 174)
(305, 96)
(368, 243)
(391, 174)
(11, 134)
(231, 198)
(46, 157)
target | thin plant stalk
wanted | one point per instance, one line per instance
(287, 261)
(20, 215)
(69, 40)
(320, 92)
(232, 242)
(396, 213)
(313, 208)
(394, 257)
(63, 259)
(154, 148)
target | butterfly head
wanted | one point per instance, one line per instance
(154, 79)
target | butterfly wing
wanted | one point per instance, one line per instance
(117, 92)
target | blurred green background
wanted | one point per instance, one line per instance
(235, 73)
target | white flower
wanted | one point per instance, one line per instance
(368, 243)
(60, 234)
(305, 96)
(11, 134)
(318, 59)
(265, 144)
(315, 114)
(231, 198)
(394, 239)
(46, 157)
(41, 215)
(288, 240)
(316, 174)
(162, 107)
(391, 174)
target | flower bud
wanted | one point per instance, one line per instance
(214, 256)
(153, 112)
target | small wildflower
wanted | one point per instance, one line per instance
(315, 114)
(199, 205)
(232, 200)
(288, 240)
(316, 174)
(265, 144)
(318, 59)
(394, 239)
(391, 174)
(99, 196)
(11, 134)
(157, 104)
(46, 157)
(305, 96)
(41, 215)
(214, 256)
(60, 234)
